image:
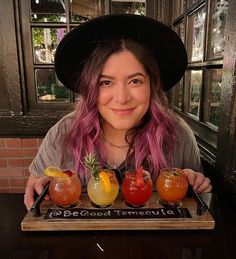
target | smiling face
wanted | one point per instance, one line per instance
(124, 92)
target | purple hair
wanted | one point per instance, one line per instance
(153, 139)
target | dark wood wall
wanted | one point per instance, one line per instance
(226, 151)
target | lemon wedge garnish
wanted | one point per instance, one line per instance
(54, 171)
(104, 177)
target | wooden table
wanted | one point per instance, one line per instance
(175, 244)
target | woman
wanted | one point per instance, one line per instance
(120, 65)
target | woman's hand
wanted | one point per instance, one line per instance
(199, 182)
(34, 184)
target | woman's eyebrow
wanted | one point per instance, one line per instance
(136, 74)
(106, 76)
(129, 76)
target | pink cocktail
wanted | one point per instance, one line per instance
(65, 191)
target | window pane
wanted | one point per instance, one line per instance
(217, 28)
(196, 39)
(45, 41)
(214, 79)
(48, 11)
(194, 82)
(124, 6)
(83, 10)
(49, 88)
(178, 94)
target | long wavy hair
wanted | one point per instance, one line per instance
(153, 140)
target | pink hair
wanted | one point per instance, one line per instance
(156, 141)
(154, 138)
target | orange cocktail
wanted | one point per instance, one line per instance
(64, 188)
(171, 185)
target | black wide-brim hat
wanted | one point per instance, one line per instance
(163, 42)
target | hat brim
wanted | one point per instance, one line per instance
(164, 43)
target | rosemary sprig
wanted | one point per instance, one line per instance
(93, 165)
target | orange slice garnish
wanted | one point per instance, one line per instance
(104, 177)
(54, 171)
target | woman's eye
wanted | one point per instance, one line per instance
(136, 81)
(105, 83)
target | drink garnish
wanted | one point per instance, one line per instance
(68, 172)
(94, 167)
(139, 181)
(92, 164)
(104, 177)
(54, 171)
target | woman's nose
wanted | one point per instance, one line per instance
(121, 94)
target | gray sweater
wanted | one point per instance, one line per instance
(186, 154)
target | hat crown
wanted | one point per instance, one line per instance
(163, 42)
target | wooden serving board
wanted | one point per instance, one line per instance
(104, 220)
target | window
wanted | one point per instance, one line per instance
(216, 39)
(47, 24)
(212, 95)
(195, 39)
(128, 6)
(193, 80)
(197, 96)
(32, 98)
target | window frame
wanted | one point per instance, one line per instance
(206, 133)
(32, 106)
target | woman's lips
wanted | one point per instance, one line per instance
(123, 111)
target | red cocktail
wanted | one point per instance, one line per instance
(137, 187)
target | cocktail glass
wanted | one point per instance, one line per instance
(103, 189)
(172, 186)
(137, 188)
(65, 191)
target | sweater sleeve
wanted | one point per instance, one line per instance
(186, 153)
(50, 150)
